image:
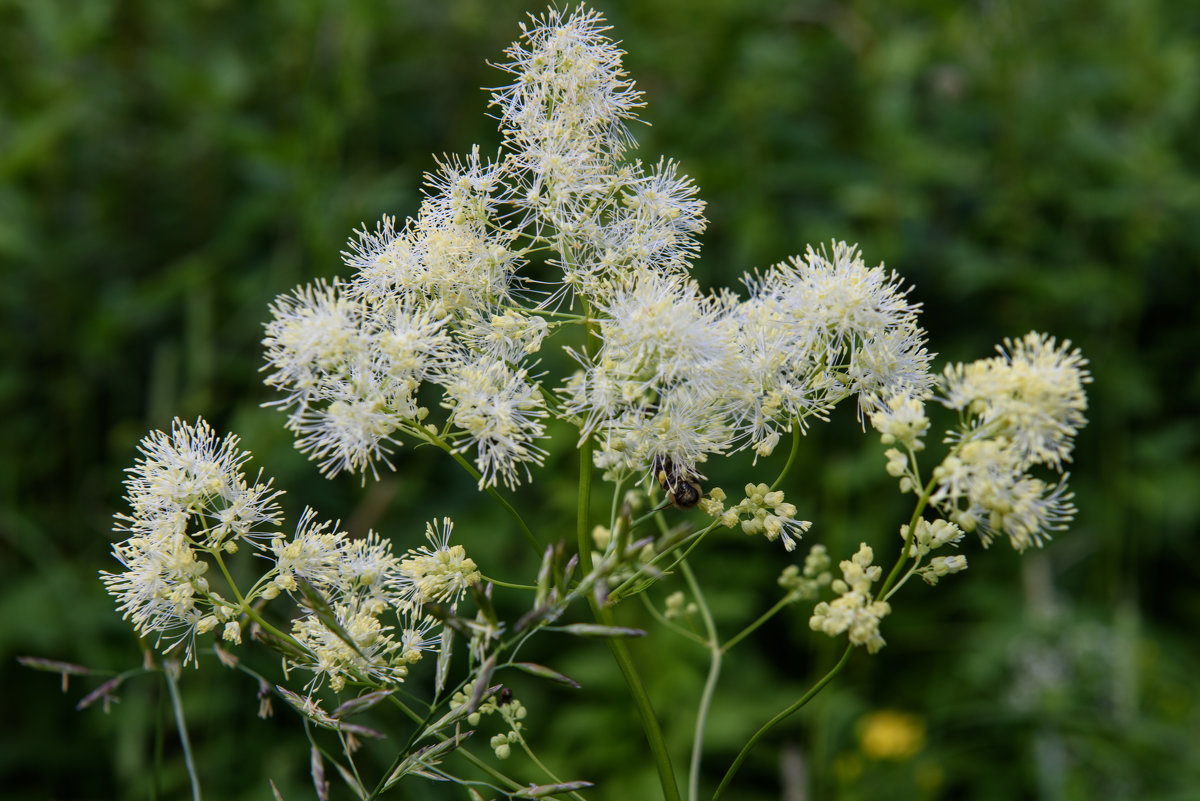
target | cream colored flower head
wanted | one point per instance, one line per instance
(1020, 409)
(1032, 395)
(438, 572)
(189, 498)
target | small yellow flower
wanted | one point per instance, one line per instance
(891, 734)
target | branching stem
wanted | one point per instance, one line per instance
(779, 718)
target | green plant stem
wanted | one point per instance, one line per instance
(922, 501)
(584, 506)
(617, 531)
(902, 581)
(533, 758)
(791, 455)
(249, 610)
(508, 584)
(488, 769)
(160, 738)
(184, 743)
(779, 718)
(763, 618)
(662, 621)
(490, 490)
(641, 701)
(691, 541)
(710, 683)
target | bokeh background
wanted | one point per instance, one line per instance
(168, 168)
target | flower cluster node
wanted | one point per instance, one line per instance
(854, 611)
(364, 615)
(930, 535)
(1022, 410)
(803, 585)
(678, 606)
(942, 566)
(439, 572)
(761, 511)
(189, 500)
(511, 710)
(901, 420)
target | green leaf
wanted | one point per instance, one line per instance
(535, 669)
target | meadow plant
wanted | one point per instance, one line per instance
(435, 338)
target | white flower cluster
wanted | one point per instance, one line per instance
(682, 376)
(359, 581)
(803, 585)
(762, 511)
(929, 536)
(192, 506)
(854, 611)
(671, 374)
(188, 497)
(1021, 409)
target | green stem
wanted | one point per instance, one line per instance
(185, 744)
(249, 610)
(710, 683)
(621, 539)
(791, 456)
(671, 625)
(763, 618)
(533, 757)
(900, 583)
(584, 506)
(509, 585)
(641, 701)
(692, 541)
(490, 490)
(908, 540)
(160, 737)
(775, 721)
(488, 769)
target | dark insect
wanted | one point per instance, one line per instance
(506, 696)
(681, 484)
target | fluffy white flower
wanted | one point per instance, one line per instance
(438, 572)
(189, 481)
(850, 326)
(188, 497)
(903, 420)
(372, 650)
(315, 336)
(1032, 394)
(352, 430)
(570, 91)
(313, 554)
(499, 412)
(158, 589)
(1020, 409)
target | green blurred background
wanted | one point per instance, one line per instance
(168, 168)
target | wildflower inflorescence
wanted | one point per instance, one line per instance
(436, 338)
(854, 610)
(1020, 410)
(365, 610)
(676, 374)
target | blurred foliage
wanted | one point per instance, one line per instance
(167, 168)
